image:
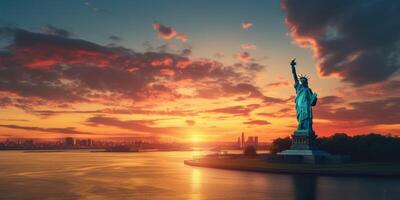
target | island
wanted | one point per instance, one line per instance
(303, 154)
(260, 164)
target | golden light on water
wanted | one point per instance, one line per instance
(196, 184)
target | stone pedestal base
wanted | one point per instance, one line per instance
(303, 149)
(306, 152)
(303, 140)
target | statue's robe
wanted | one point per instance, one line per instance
(304, 102)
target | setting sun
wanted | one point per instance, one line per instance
(195, 138)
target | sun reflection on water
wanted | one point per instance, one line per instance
(196, 184)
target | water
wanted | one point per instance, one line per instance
(162, 175)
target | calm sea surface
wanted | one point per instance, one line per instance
(162, 175)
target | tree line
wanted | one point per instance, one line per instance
(368, 148)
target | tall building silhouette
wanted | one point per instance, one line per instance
(243, 143)
(69, 141)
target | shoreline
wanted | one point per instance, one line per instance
(260, 165)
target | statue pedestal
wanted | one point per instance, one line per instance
(303, 140)
(303, 148)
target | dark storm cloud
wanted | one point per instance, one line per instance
(56, 68)
(357, 40)
(36, 83)
(360, 113)
(41, 69)
(386, 88)
(67, 130)
(115, 38)
(35, 50)
(52, 30)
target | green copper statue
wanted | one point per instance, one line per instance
(305, 99)
(303, 139)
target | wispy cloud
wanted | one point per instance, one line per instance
(244, 57)
(257, 122)
(144, 126)
(168, 32)
(67, 130)
(52, 30)
(248, 46)
(246, 25)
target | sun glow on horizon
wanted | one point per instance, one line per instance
(196, 138)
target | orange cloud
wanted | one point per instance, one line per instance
(165, 32)
(143, 126)
(168, 32)
(167, 72)
(246, 25)
(248, 46)
(219, 55)
(190, 122)
(59, 70)
(68, 130)
(182, 37)
(276, 84)
(244, 57)
(257, 122)
(236, 110)
(167, 62)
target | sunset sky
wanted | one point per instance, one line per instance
(178, 69)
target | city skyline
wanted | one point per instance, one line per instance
(165, 69)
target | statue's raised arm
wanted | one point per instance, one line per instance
(305, 100)
(296, 80)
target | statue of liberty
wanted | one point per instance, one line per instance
(305, 99)
(303, 139)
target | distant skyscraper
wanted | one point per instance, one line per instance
(28, 143)
(256, 141)
(249, 140)
(89, 142)
(69, 141)
(242, 140)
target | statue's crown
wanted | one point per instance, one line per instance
(304, 76)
